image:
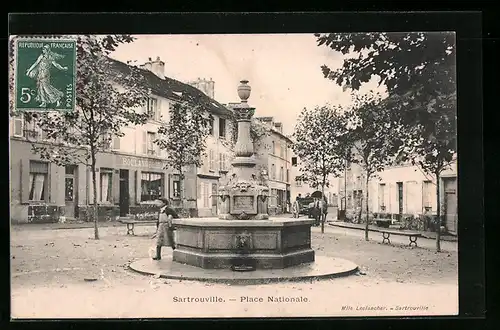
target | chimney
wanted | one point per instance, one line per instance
(157, 67)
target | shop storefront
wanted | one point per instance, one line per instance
(125, 185)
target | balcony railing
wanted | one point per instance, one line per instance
(31, 133)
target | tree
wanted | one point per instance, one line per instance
(419, 71)
(374, 140)
(106, 101)
(320, 144)
(183, 137)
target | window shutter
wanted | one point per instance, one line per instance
(17, 123)
(116, 187)
(116, 143)
(145, 142)
(158, 113)
(24, 184)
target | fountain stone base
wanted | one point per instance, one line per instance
(212, 243)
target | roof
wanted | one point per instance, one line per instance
(173, 89)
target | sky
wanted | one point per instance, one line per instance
(284, 70)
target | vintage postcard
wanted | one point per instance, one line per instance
(233, 175)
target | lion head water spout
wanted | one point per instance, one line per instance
(243, 197)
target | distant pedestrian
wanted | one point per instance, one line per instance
(165, 231)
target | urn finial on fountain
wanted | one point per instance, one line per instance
(244, 90)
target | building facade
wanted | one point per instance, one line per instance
(402, 190)
(131, 174)
(216, 164)
(274, 157)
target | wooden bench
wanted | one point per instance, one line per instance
(131, 223)
(386, 234)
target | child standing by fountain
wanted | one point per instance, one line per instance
(165, 231)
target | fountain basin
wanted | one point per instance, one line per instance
(213, 243)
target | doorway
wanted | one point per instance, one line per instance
(70, 191)
(400, 199)
(214, 198)
(124, 193)
(450, 204)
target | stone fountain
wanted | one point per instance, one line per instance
(243, 244)
(243, 234)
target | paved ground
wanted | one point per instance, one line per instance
(50, 269)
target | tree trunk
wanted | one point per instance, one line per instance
(438, 212)
(94, 188)
(181, 195)
(321, 210)
(367, 208)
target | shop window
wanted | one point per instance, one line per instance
(151, 186)
(39, 172)
(106, 185)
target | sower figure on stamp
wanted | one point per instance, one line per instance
(165, 231)
(40, 71)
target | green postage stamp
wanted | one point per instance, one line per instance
(45, 74)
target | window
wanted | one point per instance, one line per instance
(426, 195)
(273, 172)
(151, 137)
(39, 172)
(273, 146)
(281, 174)
(282, 150)
(222, 162)
(176, 188)
(222, 127)
(106, 187)
(151, 186)
(105, 140)
(294, 161)
(381, 197)
(69, 183)
(211, 123)
(28, 129)
(152, 108)
(17, 125)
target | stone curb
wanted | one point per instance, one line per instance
(248, 280)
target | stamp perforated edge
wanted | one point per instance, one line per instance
(13, 41)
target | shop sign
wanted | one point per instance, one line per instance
(141, 162)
